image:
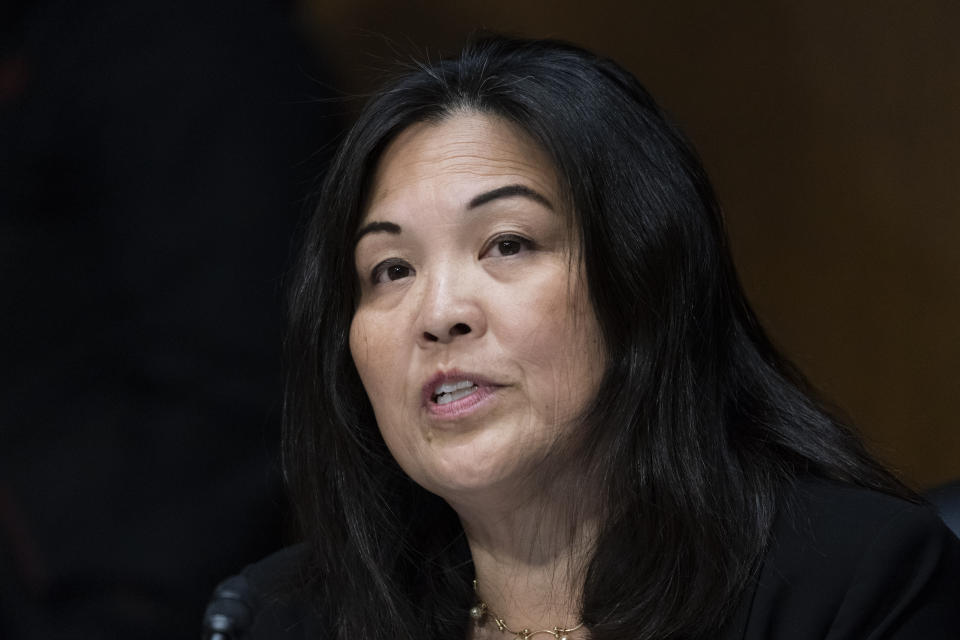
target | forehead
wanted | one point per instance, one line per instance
(456, 158)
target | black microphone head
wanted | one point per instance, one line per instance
(230, 612)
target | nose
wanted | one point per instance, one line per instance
(451, 308)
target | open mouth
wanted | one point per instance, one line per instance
(452, 391)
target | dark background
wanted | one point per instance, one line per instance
(156, 157)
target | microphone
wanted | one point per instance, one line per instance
(229, 616)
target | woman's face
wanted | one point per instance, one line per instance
(473, 336)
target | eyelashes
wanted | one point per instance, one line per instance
(508, 244)
(390, 270)
(505, 245)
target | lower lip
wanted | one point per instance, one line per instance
(464, 406)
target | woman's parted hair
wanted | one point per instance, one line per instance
(698, 421)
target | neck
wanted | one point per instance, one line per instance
(529, 556)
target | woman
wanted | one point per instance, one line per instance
(527, 395)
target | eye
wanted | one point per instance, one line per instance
(507, 245)
(390, 270)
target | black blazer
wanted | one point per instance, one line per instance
(844, 563)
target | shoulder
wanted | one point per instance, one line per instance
(947, 500)
(269, 600)
(845, 562)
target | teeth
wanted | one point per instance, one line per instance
(444, 398)
(450, 387)
(452, 391)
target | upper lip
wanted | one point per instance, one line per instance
(453, 375)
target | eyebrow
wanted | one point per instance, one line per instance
(509, 191)
(374, 227)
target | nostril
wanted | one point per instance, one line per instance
(429, 337)
(459, 329)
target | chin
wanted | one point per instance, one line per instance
(466, 480)
(471, 464)
(455, 463)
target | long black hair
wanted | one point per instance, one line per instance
(699, 423)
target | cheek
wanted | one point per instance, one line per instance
(369, 351)
(359, 345)
(556, 336)
(379, 358)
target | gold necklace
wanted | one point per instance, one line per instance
(480, 611)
